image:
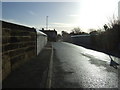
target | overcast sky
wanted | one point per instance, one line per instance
(86, 14)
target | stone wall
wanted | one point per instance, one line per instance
(18, 46)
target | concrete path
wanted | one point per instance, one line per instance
(33, 73)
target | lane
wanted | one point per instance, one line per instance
(78, 67)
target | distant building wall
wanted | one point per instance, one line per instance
(41, 41)
(67, 38)
(52, 34)
(18, 46)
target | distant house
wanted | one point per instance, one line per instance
(52, 34)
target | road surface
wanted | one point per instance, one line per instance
(78, 67)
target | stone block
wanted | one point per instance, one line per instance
(6, 32)
(15, 52)
(5, 39)
(15, 59)
(19, 62)
(9, 46)
(6, 66)
(14, 39)
(16, 33)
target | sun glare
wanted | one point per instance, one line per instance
(96, 13)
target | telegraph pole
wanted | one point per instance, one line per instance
(46, 22)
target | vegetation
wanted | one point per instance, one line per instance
(108, 40)
(77, 31)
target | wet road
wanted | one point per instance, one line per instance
(78, 67)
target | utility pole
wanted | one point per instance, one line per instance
(46, 22)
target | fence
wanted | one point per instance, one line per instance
(84, 40)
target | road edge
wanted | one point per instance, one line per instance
(49, 78)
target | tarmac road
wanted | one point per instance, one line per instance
(77, 67)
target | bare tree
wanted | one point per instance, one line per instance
(76, 30)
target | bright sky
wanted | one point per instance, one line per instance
(86, 14)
